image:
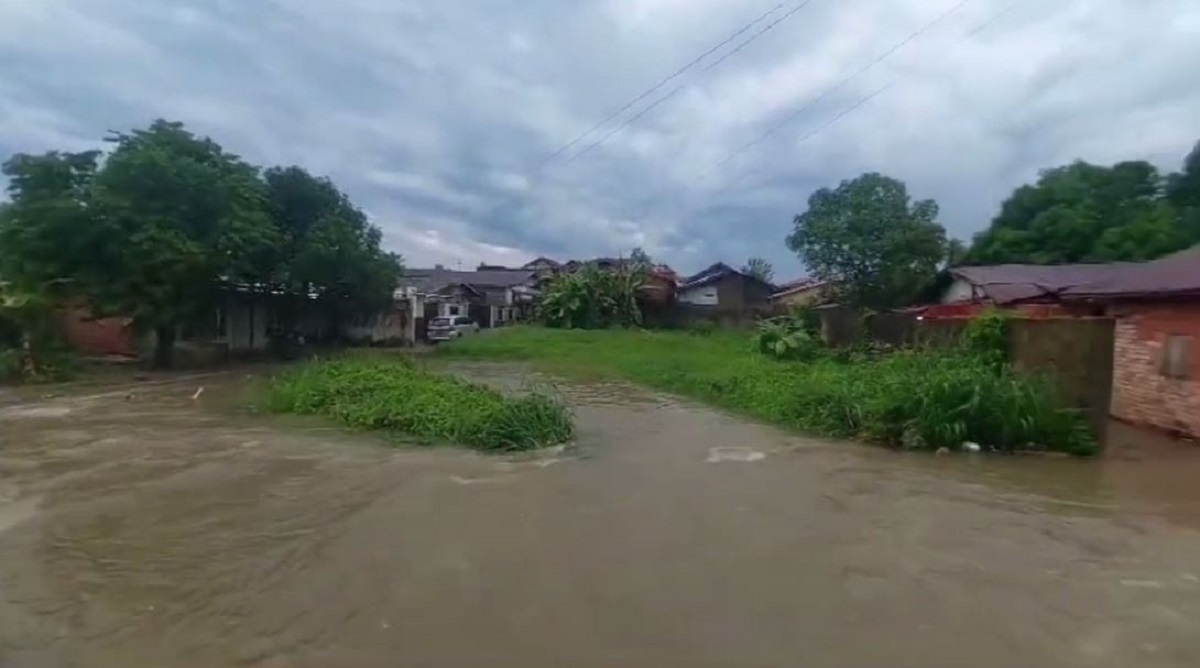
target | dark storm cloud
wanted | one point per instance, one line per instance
(436, 117)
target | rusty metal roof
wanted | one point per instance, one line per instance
(1011, 283)
(1171, 276)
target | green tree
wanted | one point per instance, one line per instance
(870, 241)
(178, 216)
(760, 269)
(640, 258)
(1087, 213)
(956, 252)
(328, 248)
(47, 229)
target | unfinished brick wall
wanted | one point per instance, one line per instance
(1142, 393)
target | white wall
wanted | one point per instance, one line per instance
(959, 291)
(705, 295)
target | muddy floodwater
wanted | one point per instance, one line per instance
(142, 527)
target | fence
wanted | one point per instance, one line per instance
(1075, 353)
(686, 316)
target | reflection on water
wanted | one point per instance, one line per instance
(166, 531)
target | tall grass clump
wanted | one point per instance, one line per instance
(919, 399)
(399, 397)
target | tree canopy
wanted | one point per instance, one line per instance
(759, 268)
(1089, 213)
(869, 240)
(155, 229)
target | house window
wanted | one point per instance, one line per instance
(453, 310)
(1176, 355)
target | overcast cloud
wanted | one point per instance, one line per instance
(436, 117)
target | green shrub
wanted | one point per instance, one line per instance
(916, 399)
(786, 339)
(592, 298)
(396, 396)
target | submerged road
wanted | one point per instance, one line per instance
(142, 527)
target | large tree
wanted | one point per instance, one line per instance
(1086, 213)
(181, 216)
(47, 229)
(149, 234)
(329, 248)
(870, 241)
(759, 268)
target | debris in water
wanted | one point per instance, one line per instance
(734, 455)
(942, 451)
(199, 391)
(970, 446)
(1143, 584)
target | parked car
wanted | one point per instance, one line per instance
(453, 327)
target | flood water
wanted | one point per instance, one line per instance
(140, 527)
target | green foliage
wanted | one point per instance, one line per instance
(875, 246)
(640, 258)
(1089, 213)
(399, 397)
(759, 268)
(160, 226)
(592, 298)
(47, 230)
(328, 245)
(914, 399)
(29, 349)
(787, 338)
(986, 335)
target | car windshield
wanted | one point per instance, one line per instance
(439, 322)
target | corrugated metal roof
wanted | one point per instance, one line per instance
(1010, 283)
(1174, 275)
(431, 280)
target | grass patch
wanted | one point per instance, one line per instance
(923, 400)
(397, 396)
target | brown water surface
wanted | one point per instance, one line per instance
(140, 527)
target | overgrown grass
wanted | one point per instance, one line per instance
(398, 396)
(910, 399)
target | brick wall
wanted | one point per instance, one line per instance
(104, 336)
(1141, 393)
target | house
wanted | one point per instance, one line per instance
(1027, 287)
(1156, 311)
(724, 288)
(800, 293)
(1156, 350)
(541, 264)
(490, 297)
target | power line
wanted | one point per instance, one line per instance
(676, 74)
(854, 106)
(884, 56)
(629, 121)
(744, 29)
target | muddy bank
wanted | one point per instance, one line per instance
(162, 530)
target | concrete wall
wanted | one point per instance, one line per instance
(959, 291)
(393, 326)
(1142, 392)
(246, 326)
(1076, 353)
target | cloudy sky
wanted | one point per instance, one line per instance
(438, 117)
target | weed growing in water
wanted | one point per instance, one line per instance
(398, 396)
